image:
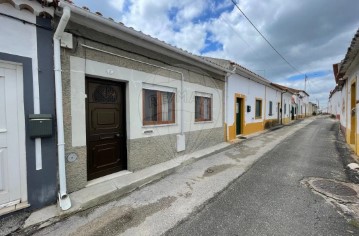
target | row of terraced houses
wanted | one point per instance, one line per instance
(84, 100)
(344, 98)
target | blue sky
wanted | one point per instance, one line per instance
(310, 75)
(312, 35)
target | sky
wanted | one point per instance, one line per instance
(311, 34)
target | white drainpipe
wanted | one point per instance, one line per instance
(64, 198)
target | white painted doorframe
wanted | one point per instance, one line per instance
(13, 183)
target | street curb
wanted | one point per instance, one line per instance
(346, 155)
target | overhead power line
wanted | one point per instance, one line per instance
(293, 67)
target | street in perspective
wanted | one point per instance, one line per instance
(192, 117)
(259, 186)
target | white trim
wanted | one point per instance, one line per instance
(201, 94)
(78, 108)
(21, 128)
(36, 94)
(159, 88)
(38, 154)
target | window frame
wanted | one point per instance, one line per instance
(159, 108)
(260, 110)
(201, 112)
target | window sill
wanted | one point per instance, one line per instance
(203, 122)
(159, 125)
(258, 118)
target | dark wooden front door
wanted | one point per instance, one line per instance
(292, 113)
(239, 116)
(106, 128)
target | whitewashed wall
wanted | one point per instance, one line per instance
(335, 103)
(274, 96)
(252, 90)
(20, 39)
(287, 100)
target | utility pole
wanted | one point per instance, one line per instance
(305, 82)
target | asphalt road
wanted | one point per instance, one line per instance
(270, 200)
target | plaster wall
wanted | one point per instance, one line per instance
(251, 90)
(286, 107)
(352, 74)
(146, 145)
(273, 96)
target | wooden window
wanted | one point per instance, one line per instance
(203, 108)
(285, 108)
(158, 107)
(270, 108)
(258, 109)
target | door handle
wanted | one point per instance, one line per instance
(118, 135)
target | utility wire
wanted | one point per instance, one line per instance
(293, 67)
(239, 35)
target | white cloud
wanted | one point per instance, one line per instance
(304, 32)
(117, 4)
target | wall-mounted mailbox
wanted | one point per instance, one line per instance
(248, 108)
(40, 125)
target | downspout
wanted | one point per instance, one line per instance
(265, 105)
(182, 108)
(226, 97)
(63, 197)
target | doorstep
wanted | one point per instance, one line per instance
(105, 191)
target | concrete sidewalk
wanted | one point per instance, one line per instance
(227, 156)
